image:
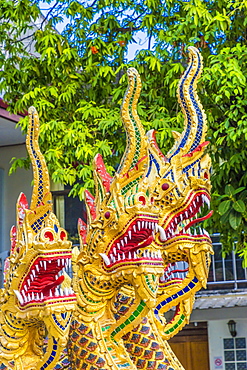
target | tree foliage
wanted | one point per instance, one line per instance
(76, 81)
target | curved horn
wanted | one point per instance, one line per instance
(136, 144)
(41, 185)
(195, 118)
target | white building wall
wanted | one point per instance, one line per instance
(11, 186)
(217, 331)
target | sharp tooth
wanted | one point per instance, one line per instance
(70, 263)
(159, 254)
(41, 263)
(41, 296)
(134, 228)
(70, 291)
(200, 231)
(63, 261)
(25, 287)
(66, 291)
(146, 225)
(58, 262)
(123, 256)
(114, 251)
(148, 255)
(37, 268)
(50, 293)
(61, 292)
(129, 256)
(139, 225)
(144, 254)
(122, 242)
(25, 299)
(186, 214)
(33, 272)
(126, 240)
(105, 258)
(119, 257)
(31, 276)
(33, 298)
(112, 258)
(19, 296)
(28, 297)
(129, 233)
(44, 265)
(49, 261)
(118, 246)
(143, 224)
(37, 298)
(135, 256)
(28, 281)
(162, 233)
(152, 225)
(56, 292)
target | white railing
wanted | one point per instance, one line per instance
(226, 273)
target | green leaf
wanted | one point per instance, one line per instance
(234, 220)
(229, 190)
(224, 206)
(239, 206)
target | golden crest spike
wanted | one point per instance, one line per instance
(136, 144)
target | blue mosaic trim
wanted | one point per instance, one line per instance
(181, 292)
(188, 115)
(152, 161)
(38, 164)
(52, 356)
(58, 323)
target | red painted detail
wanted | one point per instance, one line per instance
(197, 149)
(101, 170)
(154, 142)
(198, 220)
(91, 204)
(22, 204)
(152, 200)
(205, 175)
(142, 199)
(107, 214)
(127, 174)
(165, 186)
(49, 235)
(62, 235)
(82, 229)
(13, 238)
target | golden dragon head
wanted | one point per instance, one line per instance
(117, 241)
(40, 253)
(180, 184)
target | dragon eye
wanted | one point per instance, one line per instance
(142, 200)
(107, 214)
(165, 186)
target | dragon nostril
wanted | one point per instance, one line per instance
(107, 214)
(49, 235)
(152, 200)
(165, 186)
(205, 175)
(62, 235)
(142, 199)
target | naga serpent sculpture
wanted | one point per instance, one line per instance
(141, 252)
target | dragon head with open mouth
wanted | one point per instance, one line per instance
(122, 217)
(180, 184)
(40, 253)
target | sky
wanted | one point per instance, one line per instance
(140, 37)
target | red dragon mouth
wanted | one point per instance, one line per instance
(129, 247)
(174, 273)
(41, 283)
(180, 224)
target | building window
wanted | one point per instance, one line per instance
(68, 210)
(235, 353)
